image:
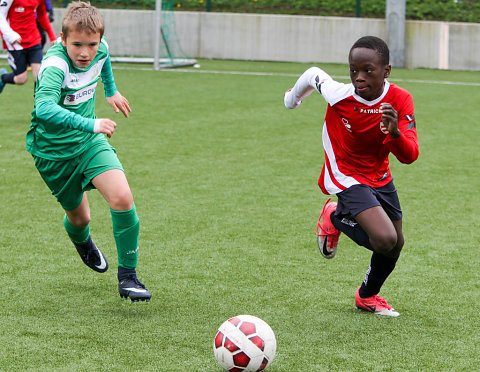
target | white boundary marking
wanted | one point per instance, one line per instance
(252, 73)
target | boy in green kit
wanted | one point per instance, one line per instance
(69, 146)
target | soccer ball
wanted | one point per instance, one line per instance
(244, 343)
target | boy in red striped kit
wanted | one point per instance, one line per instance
(365, 121)
(22, 39)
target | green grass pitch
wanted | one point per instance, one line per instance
(225, 184)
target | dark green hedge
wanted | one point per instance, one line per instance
(444, 10)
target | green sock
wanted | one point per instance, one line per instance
(126, 228)
(77, 235)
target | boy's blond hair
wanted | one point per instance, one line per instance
(81, 16)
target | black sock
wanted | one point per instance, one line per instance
(8, 78)
(380, 268)
(352, 229)
(125, 273)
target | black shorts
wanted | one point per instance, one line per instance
(358, 198)
(19, 60)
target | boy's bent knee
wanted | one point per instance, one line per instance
(81, 221)
(385, 245)
(122, 201)
(21, 79)
(395, 252)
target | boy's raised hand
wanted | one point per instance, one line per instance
(119, 103)
(390, 119)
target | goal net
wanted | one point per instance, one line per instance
(167, 50)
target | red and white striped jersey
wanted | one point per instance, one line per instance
(356, 142)
(17, 19)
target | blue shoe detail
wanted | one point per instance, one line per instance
(2, 84)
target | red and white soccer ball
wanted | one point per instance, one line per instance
(244, 343)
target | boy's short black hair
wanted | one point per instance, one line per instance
(375, 43)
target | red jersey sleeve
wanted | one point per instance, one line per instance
(42, 17)
(405, 147)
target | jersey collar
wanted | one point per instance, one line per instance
(375, 101)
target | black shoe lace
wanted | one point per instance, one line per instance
(134, 279)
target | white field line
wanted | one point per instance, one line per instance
(251, 73)
(460, 83)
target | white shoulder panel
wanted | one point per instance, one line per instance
(334, 92)
(55, 62)
(104, 41)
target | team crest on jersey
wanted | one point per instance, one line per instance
(383, 128)
(347, 125)
(83, 95)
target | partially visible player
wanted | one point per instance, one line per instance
(22, 39)
(70, 149)
(365, 121)
(51, 18)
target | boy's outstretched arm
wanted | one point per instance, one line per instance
(119, 103)
(305, 85)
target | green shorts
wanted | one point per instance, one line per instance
(69, 179)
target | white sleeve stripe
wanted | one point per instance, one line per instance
(104, 41)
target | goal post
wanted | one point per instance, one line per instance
(167, 49)
(156, 40)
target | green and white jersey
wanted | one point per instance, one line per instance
(64, 114)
